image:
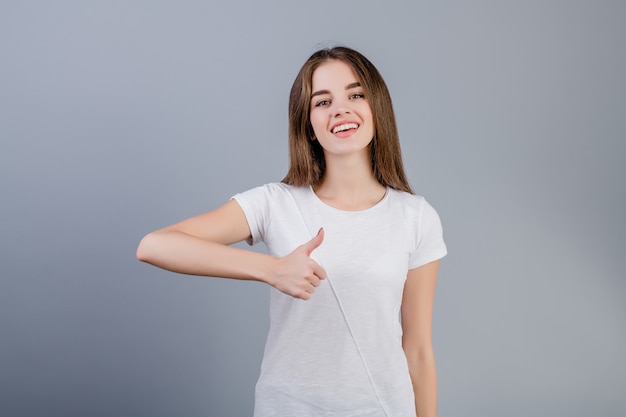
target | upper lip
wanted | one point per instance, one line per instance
(343, 122)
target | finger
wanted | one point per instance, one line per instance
(314, 281)
(307, 289)
(314, 243)
(319, 271)
(303, 295)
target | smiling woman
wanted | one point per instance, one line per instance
(341, 116)
(353, 255)
(307, 157)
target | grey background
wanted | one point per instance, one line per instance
(117, 118)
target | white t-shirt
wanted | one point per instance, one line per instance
(340, 353)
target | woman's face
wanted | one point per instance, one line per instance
(340, 113)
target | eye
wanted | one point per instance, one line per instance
(322, 103)
(356, 96)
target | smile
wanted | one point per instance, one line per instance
(344, 127)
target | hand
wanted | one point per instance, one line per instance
(297, 274)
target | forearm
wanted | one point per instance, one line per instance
(186, 254)
(416, 313)
(424, 377)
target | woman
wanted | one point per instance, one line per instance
(353, 254)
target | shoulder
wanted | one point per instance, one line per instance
(273, 192)
(423, 225)
(410, 202)
(272, 188)
(414, 207)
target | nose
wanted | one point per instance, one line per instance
(340, 107)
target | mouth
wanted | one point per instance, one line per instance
(344, 127)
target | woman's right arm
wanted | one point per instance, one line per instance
(200, 246)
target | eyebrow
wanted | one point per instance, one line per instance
(348, 87)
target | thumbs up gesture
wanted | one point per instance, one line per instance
(297, 274)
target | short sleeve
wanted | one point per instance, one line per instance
(430, 245)
(255, 204)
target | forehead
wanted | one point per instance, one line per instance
(333, 75)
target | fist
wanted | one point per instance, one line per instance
(297, 274)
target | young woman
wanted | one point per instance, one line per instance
(353, 255)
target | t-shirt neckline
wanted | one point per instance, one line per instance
(321, 202)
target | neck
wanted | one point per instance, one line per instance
(349, 184)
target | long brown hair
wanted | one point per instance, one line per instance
(307, 163)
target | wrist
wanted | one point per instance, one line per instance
(266, 270)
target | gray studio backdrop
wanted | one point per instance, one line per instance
(117, 118)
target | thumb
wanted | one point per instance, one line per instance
(314, 243)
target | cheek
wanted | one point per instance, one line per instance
(370, 119)
(316, 121)
(368, 113)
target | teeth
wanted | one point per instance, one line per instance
(345, 126)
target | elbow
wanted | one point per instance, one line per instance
(145, 249)
(419, 355)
